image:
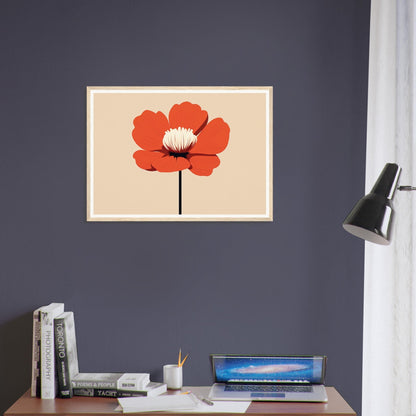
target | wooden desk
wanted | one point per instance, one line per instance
(87, 406)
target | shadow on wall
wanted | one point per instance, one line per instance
(15, 359)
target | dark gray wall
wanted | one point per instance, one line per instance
(142, 290)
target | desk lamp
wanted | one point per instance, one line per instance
(371, 217)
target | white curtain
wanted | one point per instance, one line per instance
(389, 346)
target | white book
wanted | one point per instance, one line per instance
(133, 381)
(47, 349)
(121, 381)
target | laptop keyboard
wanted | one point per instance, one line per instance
(269, 388)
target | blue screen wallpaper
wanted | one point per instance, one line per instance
(268, 369)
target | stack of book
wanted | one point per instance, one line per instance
(55, 371)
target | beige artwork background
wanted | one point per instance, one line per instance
(240, 188)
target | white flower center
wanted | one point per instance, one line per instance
(179, 140)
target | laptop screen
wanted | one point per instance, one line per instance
(268, 369)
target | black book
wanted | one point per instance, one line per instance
(65, 353)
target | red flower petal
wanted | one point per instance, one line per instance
(213, 138)
(144, 159)
(171, 164)
(204, 161)
(189, 116)
(201, 172)
(149, 129)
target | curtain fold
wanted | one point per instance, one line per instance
(389, 338)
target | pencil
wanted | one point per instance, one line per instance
(182, 362)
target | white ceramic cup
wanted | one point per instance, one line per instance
(172, 376)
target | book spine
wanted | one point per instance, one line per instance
(47, 353)
(87, 384)
(94, 392)
(129, 393)
(35, 385)
(134, 382)
(106, 392)
(61, 356)
(65, 353)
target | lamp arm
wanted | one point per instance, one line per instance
(406, 188)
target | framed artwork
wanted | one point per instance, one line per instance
(179, 154)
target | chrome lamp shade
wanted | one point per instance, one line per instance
(371, 217)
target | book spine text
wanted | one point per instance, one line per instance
(62, 365)
(94, 384)
(106, 392)
(47, 353)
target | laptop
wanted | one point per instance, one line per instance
(290, 378)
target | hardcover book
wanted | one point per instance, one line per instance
(121, 381)
(152, 389)
(47, 350)
(66, 356)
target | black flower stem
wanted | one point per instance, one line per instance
(180, 192)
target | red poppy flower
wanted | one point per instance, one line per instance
(185, 141)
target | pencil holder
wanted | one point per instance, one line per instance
(172, 376)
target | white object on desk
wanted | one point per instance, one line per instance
(172, 376)
(159, 403)
(185, 403)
